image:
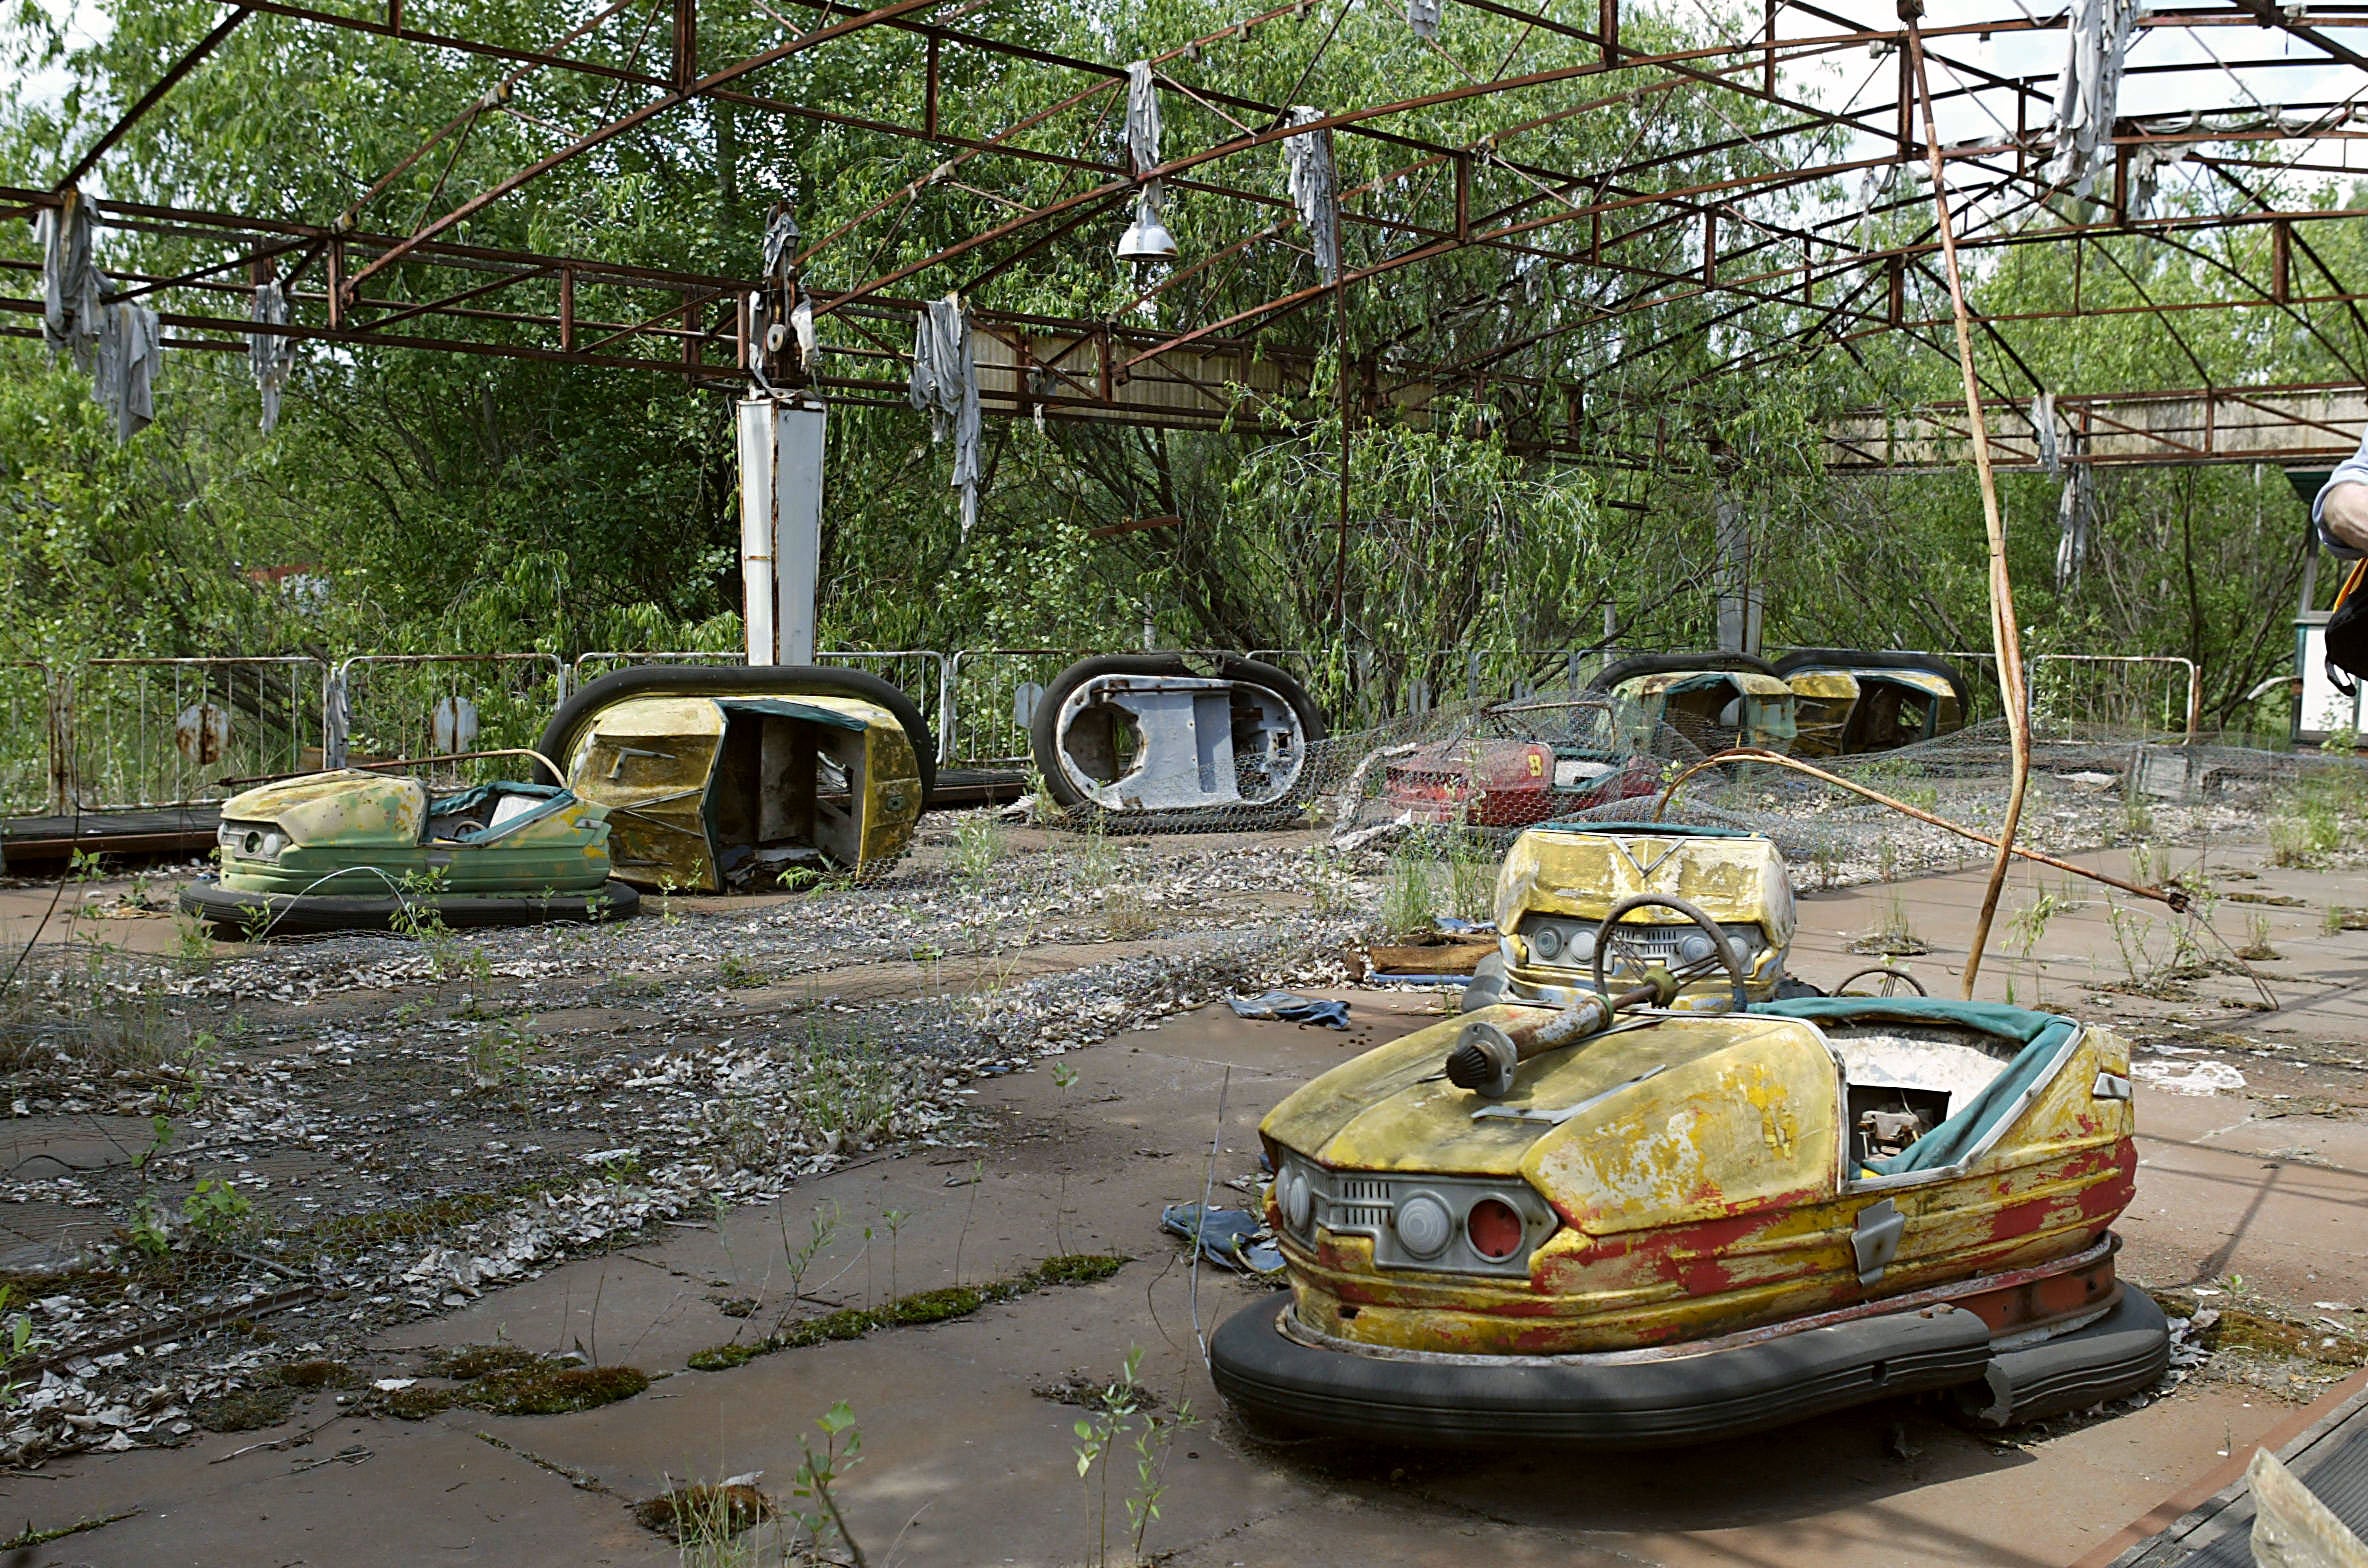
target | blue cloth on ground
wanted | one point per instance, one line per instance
(1291, 1008)
(1229, 1238)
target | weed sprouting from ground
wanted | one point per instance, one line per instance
(979, 847)
(1410, 892)
(1471, 876)
(2321, 813)
(75, 1009)
(1895, 935)
(1125, 1414)
(706, 1521)
(735, 973)
(2257, 948)
(1331, 882)
(2029, 926)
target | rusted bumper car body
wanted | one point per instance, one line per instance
(1849, 701)
(730, 778)
(1622, 1222)
(1151, 735)
(1520, 763)
(1714, 700)
(361, 850)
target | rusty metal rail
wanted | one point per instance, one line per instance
(2176, 897)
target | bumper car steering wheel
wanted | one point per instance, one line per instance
(1722, 948)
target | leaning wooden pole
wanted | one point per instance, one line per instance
(2005, 634)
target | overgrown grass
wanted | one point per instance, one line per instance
(76, 1010)
(2322, 813)
(698, 1516)
(979, 846)
(1410, 891)
(929, 1306)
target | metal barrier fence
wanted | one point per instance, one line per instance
(2164, 694)
(155, 733)
(32, 709)
(920, 673)
(386, 705)
(990, 701)
(136, 733)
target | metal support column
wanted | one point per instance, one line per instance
(780, 524)
(1739, 596)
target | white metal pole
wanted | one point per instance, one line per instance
(781, 446)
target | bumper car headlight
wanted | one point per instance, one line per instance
(1423, 1225)
(251, 840)
(1296, 1198)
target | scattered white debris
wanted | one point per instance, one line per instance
(2190, 1078)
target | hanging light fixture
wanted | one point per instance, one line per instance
(1147, 238)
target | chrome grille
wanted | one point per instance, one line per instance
(1356, 1203)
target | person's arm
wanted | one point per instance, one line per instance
(2341, 510)
(2343, 515)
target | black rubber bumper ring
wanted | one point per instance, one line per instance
(1590, 1402)
(291, 914)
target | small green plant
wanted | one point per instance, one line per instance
(1331, 882)
(1042, 807)
(2029, 926)
(1095, 860)
(191, 942)
(1126, 915)
(147, 1234)
(1471, 875)
(1124, 1414)
(254, 923)
(496, 1054)
(217, 1213)
(1063, 1075)
(706, 1521)
(2137, 816)
(1894, 936)
(667, 888)
(818, 1473)
(798, 1259)
(16, 1337)
(979, 844)
(2257, 948)
(894, 1219)
(738, 974)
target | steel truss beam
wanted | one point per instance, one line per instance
(1663, 237)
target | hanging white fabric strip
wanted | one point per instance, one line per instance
(2088, 91)
(1313, 188)
(1142, 140)
(944, 386)
(270, 355)
(71, 283)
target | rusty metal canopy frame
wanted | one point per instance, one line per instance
(1763, 262)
